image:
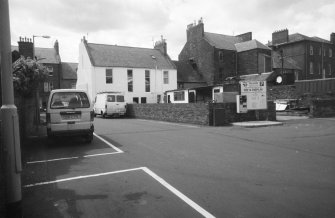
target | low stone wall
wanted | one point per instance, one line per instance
(195, 113)
(322, 108)
(198, 113)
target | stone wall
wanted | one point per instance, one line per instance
(198, 113)
(194, 113)
(322, 108)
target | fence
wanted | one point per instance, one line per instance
(319, 86)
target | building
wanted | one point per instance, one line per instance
(49, 57)
(218, 56)
(313, 55)
(68, 75)
(188, 76)
(142, 74)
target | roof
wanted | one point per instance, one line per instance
(186, 73)
(257, 77)
(222, 41)
(249, 45)
(69, 70)
(122, 56)
(289, 63)
(44, 55)
(298, 37)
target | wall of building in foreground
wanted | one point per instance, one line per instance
(198, 113)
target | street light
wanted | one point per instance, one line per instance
(44, 36)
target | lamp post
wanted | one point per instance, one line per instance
(10, 121)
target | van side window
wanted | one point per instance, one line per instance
(111, 98)
(120, 98)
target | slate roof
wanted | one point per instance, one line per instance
(249, 45)
(289, 63)
(69, 70)
(129, 57)
(258, 77)
(221, 41)
(44, 55)
(297, 37)
(186, 73)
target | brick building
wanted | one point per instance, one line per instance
(217, 56)
(313, 55)
(68, 75)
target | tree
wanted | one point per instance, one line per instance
(27, 75)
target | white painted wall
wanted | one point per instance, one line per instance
(93, 80)
(171, 94)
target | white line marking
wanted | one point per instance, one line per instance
(101, 154)
(165, 122)
(178, 193)
(183, 197)
(44, 161)
(80, 177)
(108, 143)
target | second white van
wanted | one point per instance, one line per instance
(110, 104)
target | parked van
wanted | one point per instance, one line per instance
(110, 104)
(69, 112)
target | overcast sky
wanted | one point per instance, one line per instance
(138, 23)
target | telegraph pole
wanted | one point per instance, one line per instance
(10, 122)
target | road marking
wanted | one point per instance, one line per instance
(80, 177)
(159, 179)
(178, 193)
(118, 151)
(174, 124)
(108, 143)
(58, 159)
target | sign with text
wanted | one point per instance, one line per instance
(256, 94)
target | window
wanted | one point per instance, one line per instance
(147, 80)
(135, 100)
(51, 86)
(330, 53)
(330, 69)
(311, 67)
(324, 52)
(319, 68)
(50, 69)
(130, 81)
(179, 96)
(143, 100)
(320, 51)
(73, 86)
(120, 98)
(311, 50)
(110, 98)
(109, 76)
(166, 77)
(221, 56)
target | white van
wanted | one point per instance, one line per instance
(110, 104)
(69, 112)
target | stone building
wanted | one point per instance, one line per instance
(217, 56)
(313, 55)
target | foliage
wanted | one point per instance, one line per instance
(27, 75)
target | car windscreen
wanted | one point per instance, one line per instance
(120, 98)
(64, 100)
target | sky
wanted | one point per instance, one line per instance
(140, 23)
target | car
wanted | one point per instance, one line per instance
(70, 113)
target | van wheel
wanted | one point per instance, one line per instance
(104, 115)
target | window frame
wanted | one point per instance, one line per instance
(130, 79)
(147, 80)
(179, 96)
(109, 77)
(311, 67)
(165, 77)
(311, 50)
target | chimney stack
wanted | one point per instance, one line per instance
(56, 46)
(280, 37)
(332, 38)
(161, 45)
(26, 47)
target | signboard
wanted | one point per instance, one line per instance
(256, 94)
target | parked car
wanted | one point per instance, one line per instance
(110, 104)
(70, 113)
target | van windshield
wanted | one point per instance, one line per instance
(110, 98)
(64, 100)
